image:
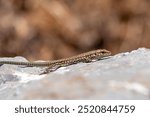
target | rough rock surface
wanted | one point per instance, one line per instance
(122, 76)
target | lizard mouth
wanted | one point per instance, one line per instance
(105, 55)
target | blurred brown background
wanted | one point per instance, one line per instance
(53, 29)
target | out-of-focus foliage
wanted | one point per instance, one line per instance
(51, 29)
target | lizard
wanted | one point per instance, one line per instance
(55, 64)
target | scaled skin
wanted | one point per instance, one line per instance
(55, 64)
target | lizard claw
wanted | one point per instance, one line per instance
(49, 69)
(46, 71)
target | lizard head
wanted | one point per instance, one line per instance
(100, 53)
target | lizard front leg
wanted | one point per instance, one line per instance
(87, 60)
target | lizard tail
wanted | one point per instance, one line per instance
(32, 64)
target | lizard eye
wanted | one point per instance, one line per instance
(103, 52)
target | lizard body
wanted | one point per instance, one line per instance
(55, 64)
